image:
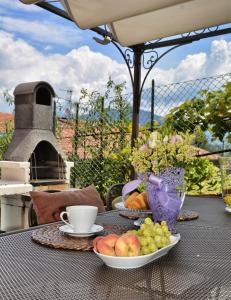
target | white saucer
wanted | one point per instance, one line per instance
(68, 230)
(228, 209)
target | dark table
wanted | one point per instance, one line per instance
(198, 267)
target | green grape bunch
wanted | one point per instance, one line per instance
(152, 236)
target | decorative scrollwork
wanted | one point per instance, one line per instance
(153, 42)
(186, 34)
(150, 57)
(129, 57)
(149, 60)
(200, 31)
(182, 35)
(212, 29)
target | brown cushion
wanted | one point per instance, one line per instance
(48, 206)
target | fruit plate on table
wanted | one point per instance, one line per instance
(131, 262)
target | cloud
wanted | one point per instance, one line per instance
(216, 62)
(42, 31)
(220, 59)
(16, 5)
(79, 68)
(84, 68)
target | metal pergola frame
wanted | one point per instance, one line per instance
(133, 56)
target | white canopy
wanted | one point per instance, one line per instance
(138, 21)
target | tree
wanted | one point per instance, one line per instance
(7, 97)
(187, 116)
(217, 112)
(6, 136)
(209, 112)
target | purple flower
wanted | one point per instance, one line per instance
(176, 138)
(144, 147)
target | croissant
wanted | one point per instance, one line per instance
(135, 204)
(137, 201)
(130, 198)
(142, 198)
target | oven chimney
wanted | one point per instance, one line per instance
(33, 106)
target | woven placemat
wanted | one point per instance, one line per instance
(185, 215)
(51, 236)
(188, 215)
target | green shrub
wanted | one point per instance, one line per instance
(5, 139)
(102, 172)
(202, 177)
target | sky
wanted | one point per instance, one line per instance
(37, 45)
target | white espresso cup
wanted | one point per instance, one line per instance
(81, 217)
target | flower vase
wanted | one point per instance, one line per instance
(166, 198)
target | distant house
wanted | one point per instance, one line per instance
(202, 152)
(65, 136)
(6, 122)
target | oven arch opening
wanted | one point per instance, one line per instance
(46, 164)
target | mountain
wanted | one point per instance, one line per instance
(145, 116)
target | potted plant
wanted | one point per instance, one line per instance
(159, 161)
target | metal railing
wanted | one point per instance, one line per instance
(97, 138)
(98, 155)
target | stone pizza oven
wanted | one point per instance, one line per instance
(33, 139)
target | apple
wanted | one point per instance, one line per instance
(127, 244)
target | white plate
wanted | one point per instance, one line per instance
(138, 222)
(137, 261)
(68, 230)
(120, 206)
(228, 209)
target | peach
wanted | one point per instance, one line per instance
(127, 244)
(95, 241)
(104, 248)
(111, 239)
